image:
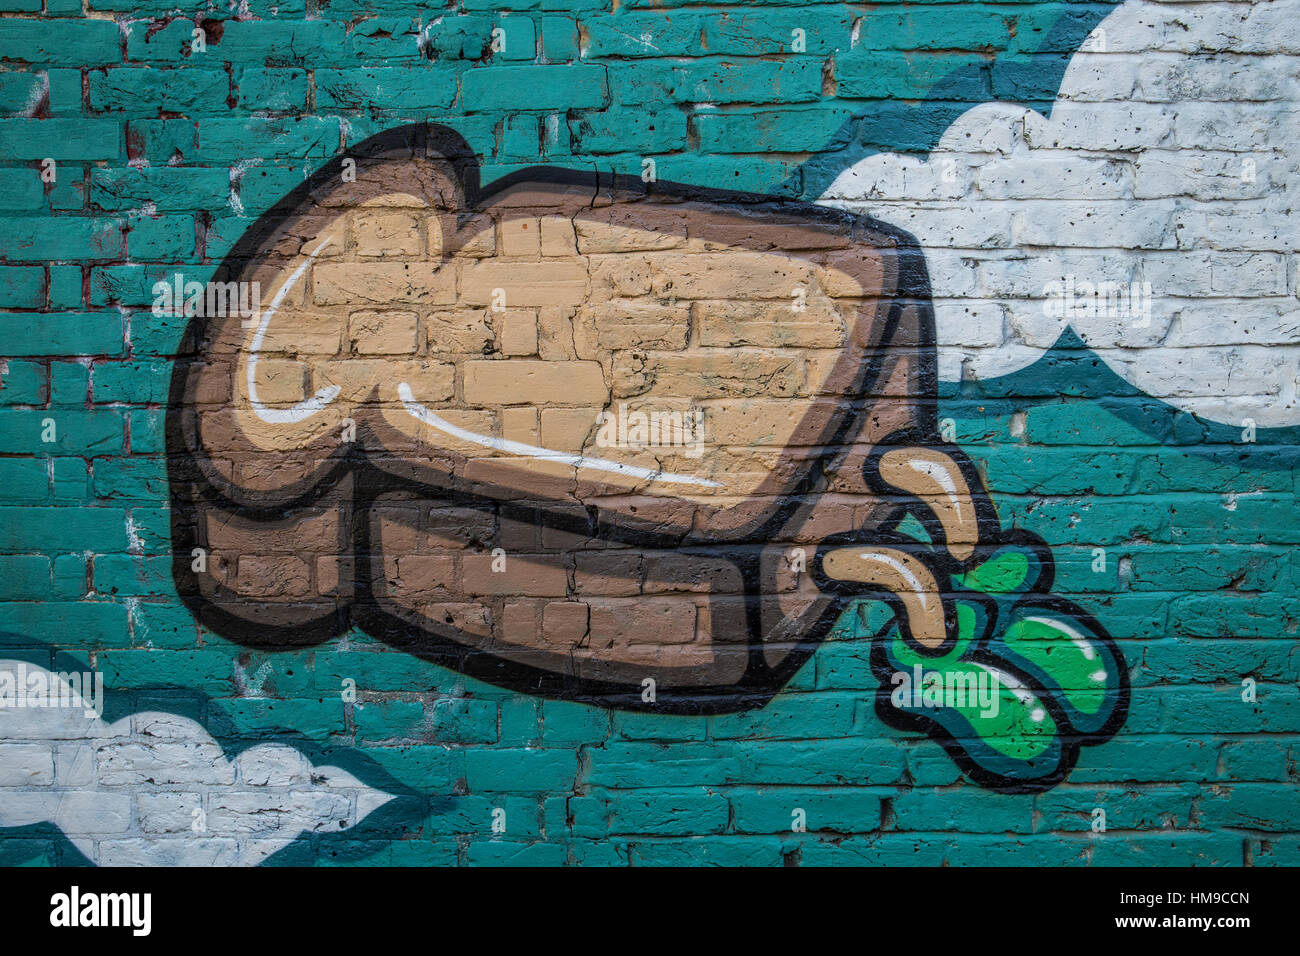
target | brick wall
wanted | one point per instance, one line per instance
(1140, 443)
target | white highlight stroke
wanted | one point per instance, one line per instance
(535, 451)
(309, 406)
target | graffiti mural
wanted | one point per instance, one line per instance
(634, 444)
(379, 493)
(199, 799)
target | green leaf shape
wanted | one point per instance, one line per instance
(1022, 728)
(1004, 573)
(1069, 656)
(1015, 725)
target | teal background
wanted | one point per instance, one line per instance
(165, 157)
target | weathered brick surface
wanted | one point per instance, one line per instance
(1171, 521)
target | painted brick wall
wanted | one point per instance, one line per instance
(1148, 440)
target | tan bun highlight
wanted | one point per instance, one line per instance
(937, 480)
(900, 574)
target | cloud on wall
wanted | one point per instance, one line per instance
(1168, 168)
(156, 789)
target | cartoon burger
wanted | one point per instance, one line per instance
(635, 444)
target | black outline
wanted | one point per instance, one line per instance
(193, 486)
(1038, 595)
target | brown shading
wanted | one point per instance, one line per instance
(621, 563)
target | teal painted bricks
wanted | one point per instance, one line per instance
(1172, 530)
